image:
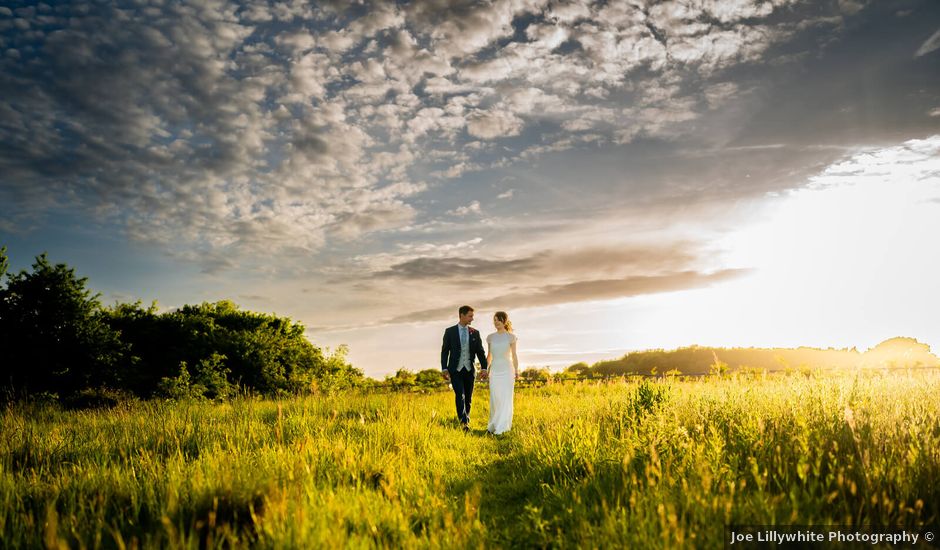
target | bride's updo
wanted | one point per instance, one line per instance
(504, 319)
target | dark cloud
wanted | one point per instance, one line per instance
(862, 86)
(582, 291)
(544, 265)
(441, 269)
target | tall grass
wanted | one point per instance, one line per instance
(644, 464)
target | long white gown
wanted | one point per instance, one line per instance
(502, 381)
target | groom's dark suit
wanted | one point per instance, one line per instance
(462, 380)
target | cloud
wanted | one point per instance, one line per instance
(472, 208)
(221, 130)
(493, 124)
(453, 268)
(461, 27)
(602, 289)
(914, 160)
(439, 249)
(929, 45)
(851, 7)
(543, 265)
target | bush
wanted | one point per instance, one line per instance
(404, 379)
(536, 375)
(430, 379)
(648, 397)
(223, 346)
(210, 380)
(53, 334)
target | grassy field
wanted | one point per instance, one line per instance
(662, 464)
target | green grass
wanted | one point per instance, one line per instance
(637, 464)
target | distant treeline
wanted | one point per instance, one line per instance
(56, 339)
(698, 360)
(898, 352)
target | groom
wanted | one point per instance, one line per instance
(461, 345)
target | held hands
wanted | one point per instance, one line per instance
(484, 374)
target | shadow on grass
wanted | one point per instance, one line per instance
(506, 486)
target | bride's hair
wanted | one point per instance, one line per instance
(504, 319)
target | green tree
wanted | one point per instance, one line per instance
(53, 334)
(261, 352)
(536, 375)
(147, 340)
(430, 378)
(579, 370)
(210, 380)
(404, 379)
(335, 373)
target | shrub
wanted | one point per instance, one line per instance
(52, 333)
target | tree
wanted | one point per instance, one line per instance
(404, 379)
(56, 338)
(53, 334)
(430, 378)
(334, 372)
(579, 370)
(537, 375)
(222, 343)
(210, 380)
(147, 339)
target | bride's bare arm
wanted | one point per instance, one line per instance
(515, 359)
(489, 353)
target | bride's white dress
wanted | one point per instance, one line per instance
(502, 378)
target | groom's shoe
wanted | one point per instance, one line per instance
(466, 426)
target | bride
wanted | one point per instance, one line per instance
(503, 371)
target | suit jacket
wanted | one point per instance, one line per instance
(450, 350)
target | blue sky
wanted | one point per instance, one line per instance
(598, 169)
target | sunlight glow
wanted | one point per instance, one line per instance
(847, 260)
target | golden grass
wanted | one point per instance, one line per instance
(652, 464)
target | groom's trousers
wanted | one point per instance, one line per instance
(462, 382)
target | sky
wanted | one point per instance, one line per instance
(616, 176)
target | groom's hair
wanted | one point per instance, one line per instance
(464, 310)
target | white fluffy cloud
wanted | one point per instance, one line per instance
(493, 123)
(467, 209)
